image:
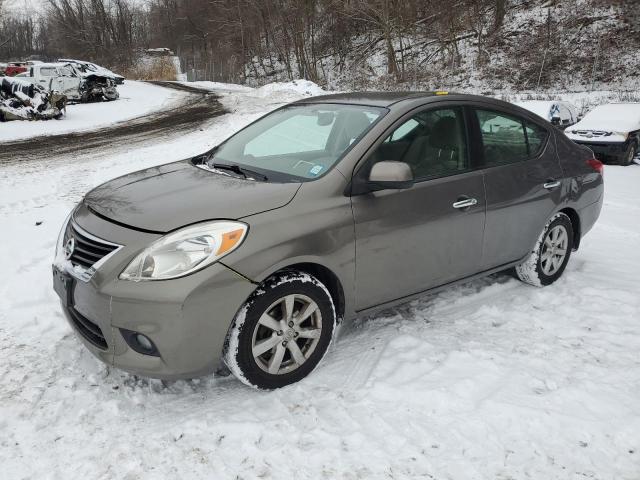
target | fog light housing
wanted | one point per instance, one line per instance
(139, 342)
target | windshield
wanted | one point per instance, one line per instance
(66, 71)
(302, 141)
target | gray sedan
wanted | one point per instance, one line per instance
(325, 209)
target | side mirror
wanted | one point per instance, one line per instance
(391, 175)
(555, 120)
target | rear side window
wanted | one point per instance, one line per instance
(508, 139)
(503, 138)
(536, 136)
(48, 72)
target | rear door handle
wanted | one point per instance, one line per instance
(465, 203)
(551, 184)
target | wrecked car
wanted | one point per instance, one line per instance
(74, 84)
(89, 68)
(22, 100)
(14, 68)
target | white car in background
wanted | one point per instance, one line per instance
(561, 114)
(612, 131)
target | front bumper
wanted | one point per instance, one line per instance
(186, 318)
(607, 152)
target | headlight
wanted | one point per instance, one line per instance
(624, 135)
(59, 256)
(185, 251)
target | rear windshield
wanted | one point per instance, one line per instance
(300, 141)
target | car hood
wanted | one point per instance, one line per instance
(161, 199)
(615, 117)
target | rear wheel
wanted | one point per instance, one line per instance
(282, 332)
(550, 256)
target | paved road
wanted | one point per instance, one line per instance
(197, 107)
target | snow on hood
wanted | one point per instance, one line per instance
(613, 117)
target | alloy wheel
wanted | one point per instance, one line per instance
(286, 334)
(554, 250)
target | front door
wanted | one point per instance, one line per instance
(523, 180)
(408, 241)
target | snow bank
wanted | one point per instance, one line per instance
(301, 87)
(136, 99)
(219, 86)
(281, 90)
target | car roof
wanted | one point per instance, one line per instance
(50, 64)
(375, 99)
(71, 60)
(388, 99)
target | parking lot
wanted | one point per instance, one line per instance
(490, 379)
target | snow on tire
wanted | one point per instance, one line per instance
(551, 253)
(282, 331)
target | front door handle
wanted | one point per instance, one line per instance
(465, 203)
(551, 184)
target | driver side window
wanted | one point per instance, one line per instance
(432, 142)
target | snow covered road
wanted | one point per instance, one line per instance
(136, 99)
(491, 379)
(186, 112)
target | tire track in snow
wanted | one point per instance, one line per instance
(197, 107)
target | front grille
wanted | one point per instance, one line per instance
(88, 250)
(88, 329)
(591, 133)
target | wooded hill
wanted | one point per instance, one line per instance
(350, 43)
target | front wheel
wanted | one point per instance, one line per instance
(550, 256)
(282, 332)
(630, 154)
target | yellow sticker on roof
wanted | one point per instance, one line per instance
(441, 92)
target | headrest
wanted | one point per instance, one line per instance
(445, 134)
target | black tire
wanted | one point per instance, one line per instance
(534, 270)
(629, 154)
(239, 353)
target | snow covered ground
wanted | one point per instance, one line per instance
(490, 380)
(136, 99)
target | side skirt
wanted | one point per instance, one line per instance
(408, 298)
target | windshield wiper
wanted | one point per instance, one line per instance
(245, 172)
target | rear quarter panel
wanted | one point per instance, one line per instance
(584, 186)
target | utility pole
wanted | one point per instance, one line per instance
(595, 66)
(544, 58)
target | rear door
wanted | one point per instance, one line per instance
(69, 82)
(408, 241)
(523, 181)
